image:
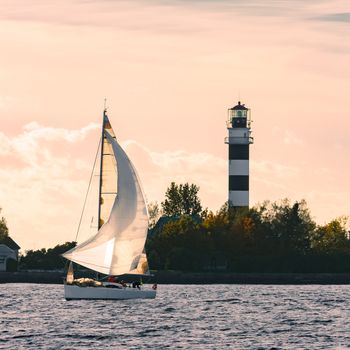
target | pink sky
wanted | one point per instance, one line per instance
(170, 69)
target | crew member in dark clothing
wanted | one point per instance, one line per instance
(136, 285)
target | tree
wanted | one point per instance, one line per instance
(4, 232)
(154, 213)
(181, 245)
(271, 237)
(182, 200)
(332, 237)
(46, 259)
(285, 228)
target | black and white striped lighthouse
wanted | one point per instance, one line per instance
(238, 140)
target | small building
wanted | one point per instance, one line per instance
(8, 254)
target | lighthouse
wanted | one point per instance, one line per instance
(238, 140)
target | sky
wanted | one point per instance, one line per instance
(170, 70)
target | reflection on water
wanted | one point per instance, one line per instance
(181, 317)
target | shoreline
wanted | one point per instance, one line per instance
(178, 277)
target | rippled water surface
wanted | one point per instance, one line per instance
(181, 317)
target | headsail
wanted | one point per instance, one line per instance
(70, 274)
(118, 246)
(140, 265)
(108, 174)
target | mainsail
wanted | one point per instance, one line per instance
(118, 246)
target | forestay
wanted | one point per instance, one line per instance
(118, 246)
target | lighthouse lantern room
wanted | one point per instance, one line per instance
(238, 140)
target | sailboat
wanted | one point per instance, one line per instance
(117, 248)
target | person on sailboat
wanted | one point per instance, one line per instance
(112, 279)
(136, 285)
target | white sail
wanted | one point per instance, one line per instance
(70, 274)
(140, 265)
(108, 175)
(118, 246)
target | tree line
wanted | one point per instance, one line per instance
(45, 259)
(269, 237)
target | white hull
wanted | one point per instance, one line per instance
(75, 292)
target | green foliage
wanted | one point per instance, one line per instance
(45, 259)
(173, 247)
(3, 228)
(182, 200)
(286, 228)
(332, 238)
(271, 237)
(154, 213)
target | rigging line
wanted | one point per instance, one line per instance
(87, 192)
(82, 262)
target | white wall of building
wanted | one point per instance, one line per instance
(6, 253)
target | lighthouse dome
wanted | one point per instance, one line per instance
(239, 107)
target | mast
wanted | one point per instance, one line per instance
(101, 164)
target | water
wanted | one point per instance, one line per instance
(181, 317)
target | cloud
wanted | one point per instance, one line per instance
(330, 208)
(343, 17)
(116, 14)
(43, 181)
(291, 139)
(268, 179)
(38, 131)
(269, 169)
(209, 172)
(159, 169)
(288, 136)
(27, 146)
